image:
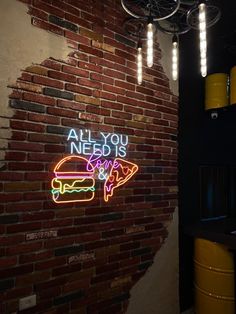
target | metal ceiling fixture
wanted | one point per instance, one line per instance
(174, 17)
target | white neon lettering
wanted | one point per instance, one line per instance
(106, 147)
(126, 140)
(81, 136)
(74, 149)
(116, 141)
(122, 151)
(89, 136)
(86, 148)
(72, 135)
(97, 149)
(105, 137)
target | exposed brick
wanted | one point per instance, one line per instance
(8, 219)
(6, 284)
(69, 297)
(56, 129)
(37, 69)
(39, 99)
(58, 93)
(75, 71)
(48, 27)
(90, 34)
(79, 89)
(125, 41)
(27, 86)
(62, 76)
(63, 23)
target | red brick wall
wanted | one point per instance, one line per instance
(85, 256)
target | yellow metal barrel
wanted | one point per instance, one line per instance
(233, 85)
(216, 91)
(214, 278)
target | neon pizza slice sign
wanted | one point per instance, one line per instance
(75, 175)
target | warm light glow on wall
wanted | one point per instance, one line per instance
(139, 65)
(150, 44)
(175, 58)
(203, 39)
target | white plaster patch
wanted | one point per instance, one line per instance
(157, 291)
(21, 45)
(165, 42)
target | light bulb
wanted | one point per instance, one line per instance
(150, 45)
(139, 65)
(203, 38)
(175, 57)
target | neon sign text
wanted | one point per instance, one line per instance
(81, 142)
(75, 176)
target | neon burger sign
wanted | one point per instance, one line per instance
(89, 160)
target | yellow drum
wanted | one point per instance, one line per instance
(233, 86)
(214, 278)
(216, 91)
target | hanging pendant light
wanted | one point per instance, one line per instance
(150, 42)
(139, 63)
(175, 58)
(203, 38)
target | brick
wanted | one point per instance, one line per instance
(89, 83)
(25, 166)
(125, 41)
(11, 272)
(23, 227)
(63, 23)
(47, 26)
(27, 126)
(27, 86)
(58, 93)
(24, 105)
(48, 8)
(66, 269)
(103, 46)
(8, 262)
(62, 112)
(79, 89)
(92, 35)
(69, 297)
(52, 64)
(77, 37)
(77, 20)
(37, 69)
(75, 71)
(114, 121)
(6, 284)
(72, 105)
(69, 250)
(44, 118)
(90, 117)
(39, 99)
(24, 248)
(31, 279)
(48, 264)
(37, 13)
(90, 67)
(48, 81)
(62, 76)
(20, 156)
(56, 129)
(87, 100)
(8, 219)
(21, 186)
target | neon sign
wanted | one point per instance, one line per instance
(81, 142)
(75, 175)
